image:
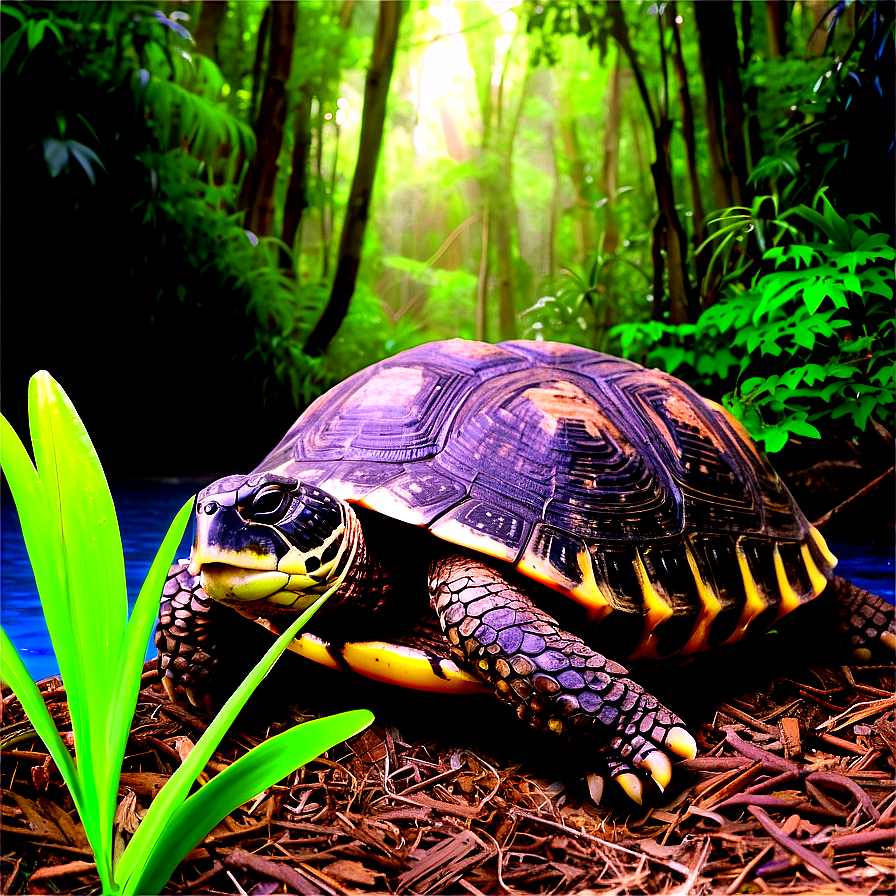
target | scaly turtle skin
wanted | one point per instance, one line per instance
(515, 484)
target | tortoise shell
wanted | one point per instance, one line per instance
(615, 485)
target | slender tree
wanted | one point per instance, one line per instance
(211, 16)
(724, 107)
(297, 188)
(687, 125)
(376, 91)
(258, 187)
(669, 229)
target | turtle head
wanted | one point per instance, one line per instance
(270, 540)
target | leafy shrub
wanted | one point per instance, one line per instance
(809, 345)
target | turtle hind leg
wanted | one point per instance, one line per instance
(866, 622)
(185, 638)
(552, 678)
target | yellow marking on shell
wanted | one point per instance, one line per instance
(755, 603)
(657, 611)
(710, 607)
(588, 594)
(790, 600)
(556, 726)
(739, 429)
(386, 503)
(816, 576)
(822, 546)
(456, 533)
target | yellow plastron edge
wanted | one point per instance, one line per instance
(393, 664)
(710, 606)
(657, 611)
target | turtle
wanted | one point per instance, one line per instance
(526, 518)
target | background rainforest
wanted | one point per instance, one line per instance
(214, 211)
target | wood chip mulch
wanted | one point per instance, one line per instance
(792, 792)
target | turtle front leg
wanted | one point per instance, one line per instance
(552, 678)
(185, 637)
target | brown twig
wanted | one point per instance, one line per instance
(791, 845)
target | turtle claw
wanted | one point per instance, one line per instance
(595, 786)
(632, 786)
(681, 743)
(200, 701)
(168, 685)
(660, 768)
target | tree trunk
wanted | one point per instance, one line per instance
(681, 299)
(258, 65)
(296, 191)
(258, 188)
(724, 109)
(751, 94)
(776, 14)
(577, 168)
(376, 91)
(609, 181)
(687, 130)
(481, 28)
(504, 223)
(210, 18)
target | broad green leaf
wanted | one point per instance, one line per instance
(802, 428)
(774, 440)
(815, 293)
(250, 775)
(755, 385)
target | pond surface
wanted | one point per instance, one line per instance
(145, 510)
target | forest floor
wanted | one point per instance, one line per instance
(792, 792)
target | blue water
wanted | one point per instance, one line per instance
(145, 510)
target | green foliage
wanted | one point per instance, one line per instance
(72, 535)
(809, 345)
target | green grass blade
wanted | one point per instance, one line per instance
(14, 673)
(81, 505)
(137, 853)
(253, 773)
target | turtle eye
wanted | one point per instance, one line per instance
(268, 505)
